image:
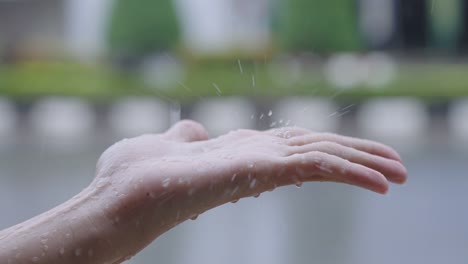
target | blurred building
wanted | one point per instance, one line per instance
(85, 28)
(52, 28)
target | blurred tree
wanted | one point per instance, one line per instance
(141, 27)
(446, 23)
(318, 25)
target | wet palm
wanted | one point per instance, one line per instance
(153, 182)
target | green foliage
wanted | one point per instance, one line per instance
(139, 27)
(28, 81)
(318, 25)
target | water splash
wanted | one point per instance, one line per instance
(218, 91)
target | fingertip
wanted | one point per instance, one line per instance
(380, 183)
(382, 189)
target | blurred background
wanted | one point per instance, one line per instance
(78, 75)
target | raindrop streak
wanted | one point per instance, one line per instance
(185, 86)
(343, 111)
(218, 91)
(270, 113)
(240, 66)
(253, 80)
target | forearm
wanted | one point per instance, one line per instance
(73, 232)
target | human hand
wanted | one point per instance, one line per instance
(149, 184)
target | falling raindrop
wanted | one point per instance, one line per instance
(240, 66)
(270, 113)
(218, 91)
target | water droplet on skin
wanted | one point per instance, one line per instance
(325, 168)
(78, 252)
(191, 191)
(166, 182)
(253, 183)
(194, 217)
(270, 113)
(296, 181)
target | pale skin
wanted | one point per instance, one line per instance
(146, 185)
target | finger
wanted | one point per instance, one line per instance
(391, 169)
(360, 144)
(288, 132)
(187, 131)
(319, 166)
